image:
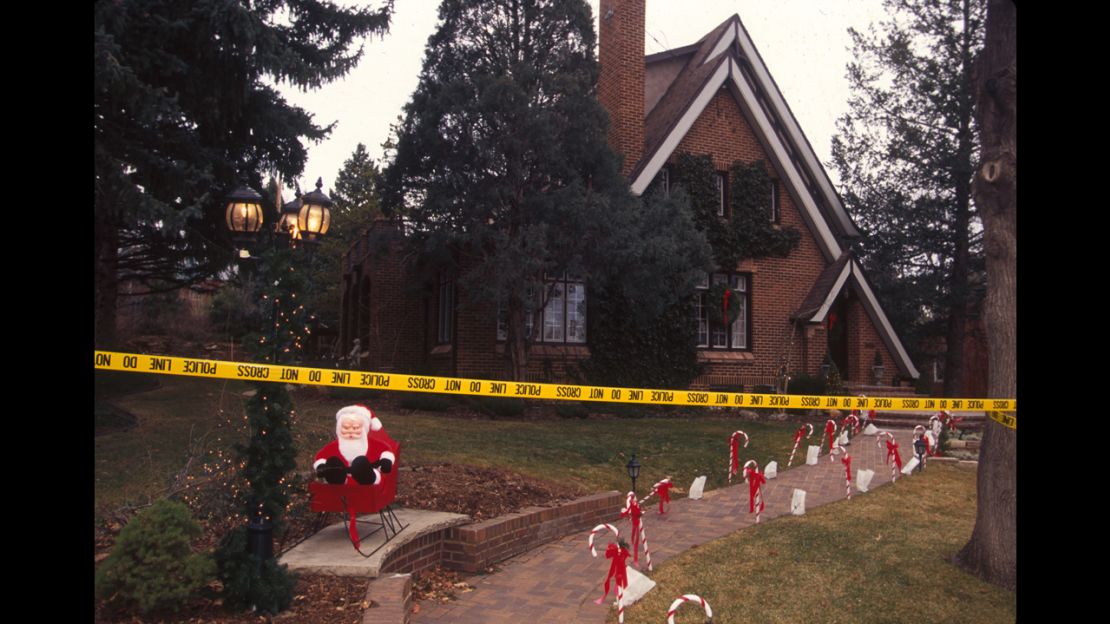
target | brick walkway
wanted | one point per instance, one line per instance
(559, 581)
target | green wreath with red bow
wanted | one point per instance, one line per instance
(723, 304)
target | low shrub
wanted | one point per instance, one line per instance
(152, 567)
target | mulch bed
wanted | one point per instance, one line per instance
(481, 493)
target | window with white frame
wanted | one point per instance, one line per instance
(714, 335)
(563, 317)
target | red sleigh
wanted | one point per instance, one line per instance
(354, 499)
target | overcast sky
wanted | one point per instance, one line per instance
(804, 43)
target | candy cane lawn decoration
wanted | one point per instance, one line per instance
(734, 452)
(830, 430)
(891, 452)
(850, 421)
(632, 512)
(663, 489)
(618, 572)
(797, 440)
(755, 481)
(689, 598)
(847, 461)
(597, 529)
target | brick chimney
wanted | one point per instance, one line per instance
(620, 85)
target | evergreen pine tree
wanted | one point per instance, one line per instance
(904, 154)
(503, 169)
(184, 112)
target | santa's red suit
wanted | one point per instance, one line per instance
(376, 446)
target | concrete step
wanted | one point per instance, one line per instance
(880, 391)
(972, 421)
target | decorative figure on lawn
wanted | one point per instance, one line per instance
(361, 452)
(663, 489)
(830, 431)
(755, 481)
(633, 512)
(734, 453)
(891, 453)
(798, 438)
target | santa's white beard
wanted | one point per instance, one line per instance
(350, 449)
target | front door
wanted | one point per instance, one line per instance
(836, 327)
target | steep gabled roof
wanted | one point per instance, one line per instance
(846, 271)
(726, 57)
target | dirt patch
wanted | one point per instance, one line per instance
(481, 493)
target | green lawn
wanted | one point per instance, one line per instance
(590, 454)
(879, 558)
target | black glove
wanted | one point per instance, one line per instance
(386, 465)
(363, 471)
(334, 472)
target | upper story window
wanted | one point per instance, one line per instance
(713, 334)
(774, 207)
(722, 192)
(563, 317)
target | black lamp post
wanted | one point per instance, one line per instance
(919, 450)
(305, 218)
(633, 467)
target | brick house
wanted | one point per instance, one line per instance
(714, 97)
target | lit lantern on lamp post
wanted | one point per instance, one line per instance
(314, 216)
(244, 216)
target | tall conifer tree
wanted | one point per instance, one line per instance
(184, 111)
(503, 169)
(904, 153)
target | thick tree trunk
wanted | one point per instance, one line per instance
(991, 553)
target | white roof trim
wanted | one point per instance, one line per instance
(824, 237)
(727, 39)
(880, 316)
(831, 297)
(790, 124)
(647, 174)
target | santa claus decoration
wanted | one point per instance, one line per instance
(361, 453)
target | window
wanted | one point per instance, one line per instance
(563, 318)
(445, 309)
(714, 335)
(774, 207)
(721, 188)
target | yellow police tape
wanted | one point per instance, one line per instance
(218, 369)
(1007, 420)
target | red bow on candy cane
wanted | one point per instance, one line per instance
(830, 429)
(847, 461)
(734, 451)
(633, 512)
(892, 451)
(618, 571)
(755, 481)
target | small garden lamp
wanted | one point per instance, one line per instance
(314, 216)
(633, 467)
(244, 216)
(919, 450)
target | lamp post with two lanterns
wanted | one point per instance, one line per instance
(270, 255)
